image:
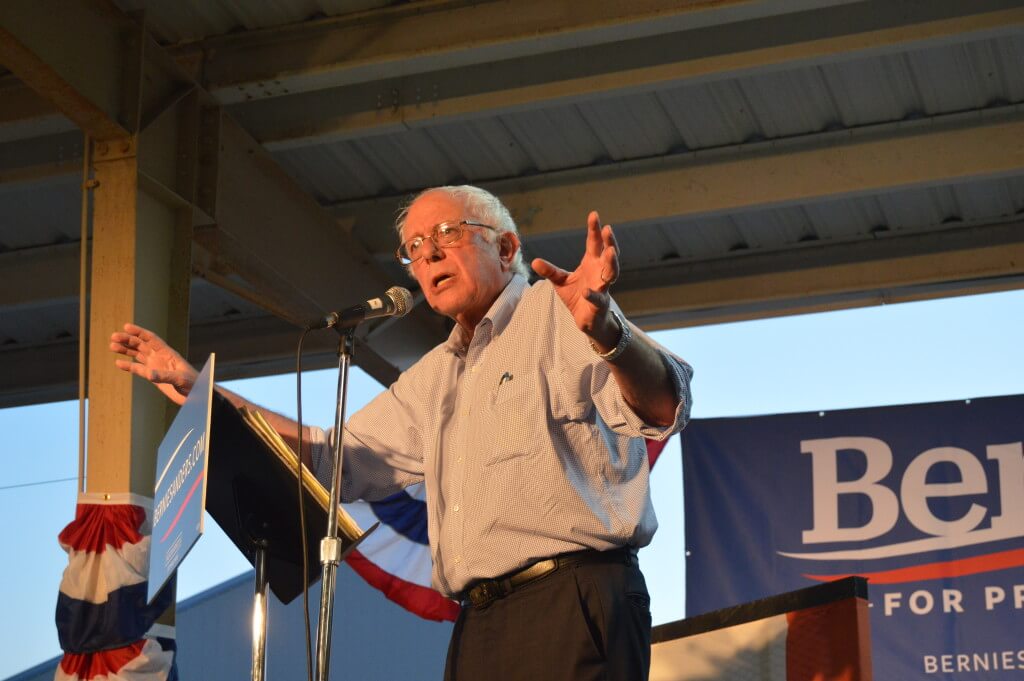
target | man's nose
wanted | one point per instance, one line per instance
(431, 252)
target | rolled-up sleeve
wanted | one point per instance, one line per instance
(383, 447)
(624, 417)
(587, 376)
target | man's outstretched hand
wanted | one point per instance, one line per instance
(585, 290)
(152, 359)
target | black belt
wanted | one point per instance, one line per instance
(487, 590)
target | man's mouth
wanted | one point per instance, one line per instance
(442, 280)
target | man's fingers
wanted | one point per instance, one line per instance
(126, 343)
(549, 271)
(123, 350)
(140, 370)
(124, 339)
(609, 265)
(120, 338)
(143, 335)
(608, 234)
(594, 240)
(609, 257)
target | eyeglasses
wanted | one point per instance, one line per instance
(444, 234)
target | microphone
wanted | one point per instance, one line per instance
(395, 302)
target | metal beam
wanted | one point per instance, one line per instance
(77, 62)
(942, 150)
(46, 372)
(891, 269)
(23, 113)
(398, 102)
(46, 160)
(827, 303)
(929, 152)
(297, 259)
(260, 215)
(137, 271)
(265, 345)
(246, 348)
(403, 40)
(47, 275)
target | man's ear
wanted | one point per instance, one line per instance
(508, 246)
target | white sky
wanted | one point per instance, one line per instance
(915, 352)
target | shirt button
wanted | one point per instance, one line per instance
(458, 559)
(456, 508)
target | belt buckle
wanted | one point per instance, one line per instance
(482, 594)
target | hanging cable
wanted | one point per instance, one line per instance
(34, 484)
(83, 311)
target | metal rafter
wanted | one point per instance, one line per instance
(255, 346)
(81, 71)
(397, 102)
(886, 269)
(403, 40)
(259, 212)
(937, 151)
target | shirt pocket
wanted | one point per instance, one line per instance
(571, 398)
(509, 392)
(508, 422)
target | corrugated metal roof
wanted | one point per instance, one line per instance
(36, 325)
(775, 229)
(724, 107)
(188, 20)
(771, 106)
(57, 322)
(40, 215)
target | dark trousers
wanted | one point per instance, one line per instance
(588, 622)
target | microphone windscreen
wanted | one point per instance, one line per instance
(402, 299)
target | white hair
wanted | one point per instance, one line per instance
(480, 205)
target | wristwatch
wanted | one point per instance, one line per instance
(624, 339)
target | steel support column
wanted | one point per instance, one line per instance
(140, 272)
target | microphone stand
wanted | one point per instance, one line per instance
(330, 545)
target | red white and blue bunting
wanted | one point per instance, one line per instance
(104, 625)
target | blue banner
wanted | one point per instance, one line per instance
(927, 501)
(179, 492)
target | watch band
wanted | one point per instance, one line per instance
(625, 337)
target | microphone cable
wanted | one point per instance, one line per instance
(302, 508)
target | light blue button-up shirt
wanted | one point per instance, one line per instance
(522, 437)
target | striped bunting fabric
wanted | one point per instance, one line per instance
(104, 625)
(395, 559)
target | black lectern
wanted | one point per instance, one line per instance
(252, 493)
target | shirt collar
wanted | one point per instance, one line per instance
(497, 316)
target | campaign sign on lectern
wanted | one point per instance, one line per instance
(179, 494)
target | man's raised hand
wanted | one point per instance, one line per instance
(152, 359)
(585, 290)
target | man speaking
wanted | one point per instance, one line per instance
(526, 427)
